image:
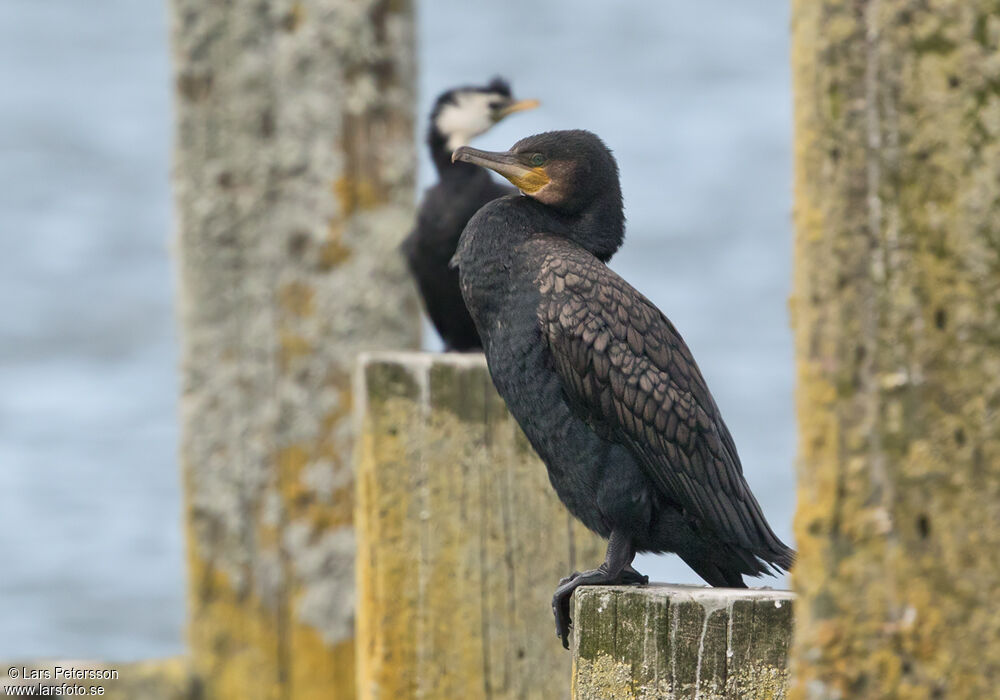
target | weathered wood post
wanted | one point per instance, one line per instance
(461, 539)
(672, 642)
(897, 320)
(294, 174)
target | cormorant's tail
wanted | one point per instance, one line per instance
(714, 574)
(726, 565)
(767, 548)
(777, 555)
(781, 557)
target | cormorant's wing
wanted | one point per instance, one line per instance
(627, 371)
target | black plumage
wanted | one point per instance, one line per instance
(458, 115)
(599, 379)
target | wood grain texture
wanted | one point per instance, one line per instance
(294, 174)
(672, 642)
(461, 540)
(896, 309)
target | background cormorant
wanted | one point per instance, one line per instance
(458, 116)
(598, 378)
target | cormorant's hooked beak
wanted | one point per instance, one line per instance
(518, 106)
(511, 165)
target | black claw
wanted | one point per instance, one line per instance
(634, 577)
(560, 609)
(599, 576)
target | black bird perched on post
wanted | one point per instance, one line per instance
(598, 378)
(458, 116)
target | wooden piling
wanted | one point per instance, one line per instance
(673, 642)
(461, 539)
(294, 179)
(896, 309)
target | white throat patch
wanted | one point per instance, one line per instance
(465, 118)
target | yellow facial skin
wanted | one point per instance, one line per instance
(531, 181)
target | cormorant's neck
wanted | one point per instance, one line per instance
(441, 155)
(600, 227)
(490, 240)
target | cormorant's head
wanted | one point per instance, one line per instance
(461, 114)
(572, 172)
(567, 170)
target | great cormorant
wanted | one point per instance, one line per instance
(458, 116)
(598, 378)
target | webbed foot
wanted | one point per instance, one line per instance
(594, 577)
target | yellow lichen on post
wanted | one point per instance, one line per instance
(461, 540)
(896, 308)
(283, 277)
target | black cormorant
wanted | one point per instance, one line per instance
(599, 379)
(458, 116)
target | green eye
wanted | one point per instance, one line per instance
(537, 159)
